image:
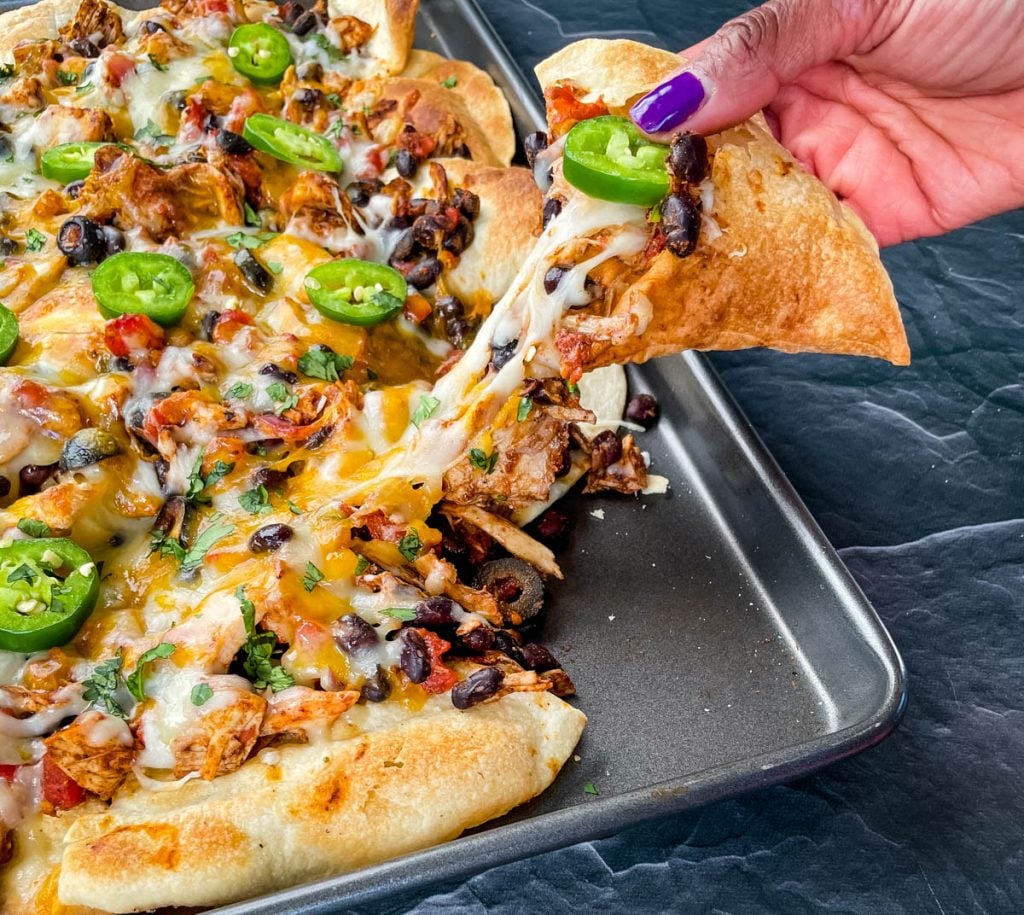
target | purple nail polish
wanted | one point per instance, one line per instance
(670, 104)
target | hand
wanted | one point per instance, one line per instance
(912, 111)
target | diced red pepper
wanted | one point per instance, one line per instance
(131, 336)
(60, 790)
(7, 773)
(118, 67)
(417, 309)
(441, 678)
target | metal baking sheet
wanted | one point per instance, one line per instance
(717, 643)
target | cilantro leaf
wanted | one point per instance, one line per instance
(335, 130)
(525, 406)
(323, 362)
(67, 77)
(281, 396)
(362, 564)
(161, 543)
(239, 390)
(197, 482)
(312, 577)
(162, 67)
(249, 240)
(195, 554)
(34, 240)
(258, 648)
(425, 409)
(325, 44)
(151, 131)
(275, 268)
(572, 387)
(405, 614)
(293, 508)
(588, 788)
(201, 694)
(134, 680)
(409, 546)
(99, 689)
(6, 71)
(451, 82)
(252, 218)
(483, 461)
(21, 573)
(34, 528)
(256, 501)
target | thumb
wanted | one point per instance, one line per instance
(739, 70)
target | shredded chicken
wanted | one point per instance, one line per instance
(294, 712)
(95, 22)
(95, 750)
(225, 733)
(513, 538)
(627, 475)
(64, 124)
(352, 33)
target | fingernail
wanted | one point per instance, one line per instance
(668, 106)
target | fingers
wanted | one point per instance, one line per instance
(740, 68)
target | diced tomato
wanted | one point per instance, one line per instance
(118, 67)
(60, 790)
(441, 678)
(7, 773)
(228, 324)
(421, 145)
(565, 110)
(247, 102)
(134, 336)
(417, 309)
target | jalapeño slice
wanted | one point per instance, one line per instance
(154, 285)
(290, 143)
(356, 292)
(69, 161)
(608, 158)
(260, 52)
(8, 333)
(47, 589)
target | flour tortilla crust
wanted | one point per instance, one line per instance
(793, 268)
(298, 813)
(394, 22)
(27, 23)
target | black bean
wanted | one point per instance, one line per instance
(233, 143)
(553, 277)
(538, 658)
(73, 190)
(5, 487)
(270, 537)
(642, 410)
(360, 192)
(507, 645)
(275, 371)
(321, 435)
(455, 329)
(552, 207)
(171, 517)
(161, 468)
(533, 144)
(290, 11)
(151, 27)
(680, 242)
(427, 231)
(406, 163)
(554, 525)
(8, 246)
(269, 477)
(479, 685)
(606, 449)
(113, 239)
(680, 220)
(81, 241)
(405, 247)
(688, 158)
(500, 355)
(479, 640)
(208, 323)
(434, 611)
(399, 222)
(378, 687)
(466, 202)
(307, 98)
(414, 658)
(83, 47)
(353, 633)
(305, 23)
(32, 476)
(447, 306)
(457, 240)
(424, 274)
(254, 272)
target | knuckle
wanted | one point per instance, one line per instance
(751, 37)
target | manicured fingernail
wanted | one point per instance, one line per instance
(668, 106)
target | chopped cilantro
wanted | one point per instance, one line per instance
(195, 554)
(256, 501)
(425, 409)
(258, 648)
(197, 483)
(281, 396)
(325, 44)
(250, 239)
(151, 131)
(293, 508)
(21, 573)
(252, 218)
(405, 614)
(239, 390)
(323, 362)
(572, 387)
(483, 461)
(335, 130)
(34, 240)
(99, 689)
(409, 546)
(201, 694)
(525, 406)
(312, 577)
(451, 82)
(588, 788)
(334, 99)
(67, 77)
(161, 543)
(275, 268)
(162, 67)
(134, 680)
(362, 564)
(34, 528)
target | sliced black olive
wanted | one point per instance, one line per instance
(688, 158)
(479, 685)
(254, 272)
(270, 537)
(114, 240)
(515, 585)
(353, 633)
(81, 241)
(208, 323)
(87, 447)
(233, 143)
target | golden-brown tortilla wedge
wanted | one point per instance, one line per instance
(781, 262)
